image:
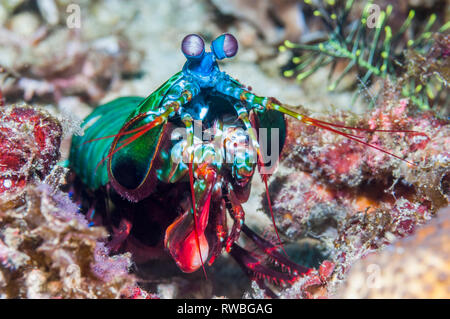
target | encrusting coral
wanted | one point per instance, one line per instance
(414, 267)
(29, 146)
(344, 163)
(347, 226)
(47, 249)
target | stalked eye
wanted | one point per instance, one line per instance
(193, 46)
(225, 46)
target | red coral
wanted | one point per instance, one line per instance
(139, 293)
(29, 146)
(313, 284)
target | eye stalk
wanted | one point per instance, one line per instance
(225, 46)
(193, 46)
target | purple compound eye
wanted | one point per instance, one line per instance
(230, 45)
(193, 46)
(225, 46)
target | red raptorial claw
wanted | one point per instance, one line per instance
(272, 251)
(255, 269)
(181, 240)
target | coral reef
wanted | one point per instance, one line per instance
(344, 163)
(348, 224)
(306, 208)
(414, 267)
(355, 200)
(29, 146)
(366, 232)
(47, 250)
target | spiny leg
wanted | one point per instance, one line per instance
(238, 215)
(254, 268)
(272, 251)
(251, 264)
(257, 271)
